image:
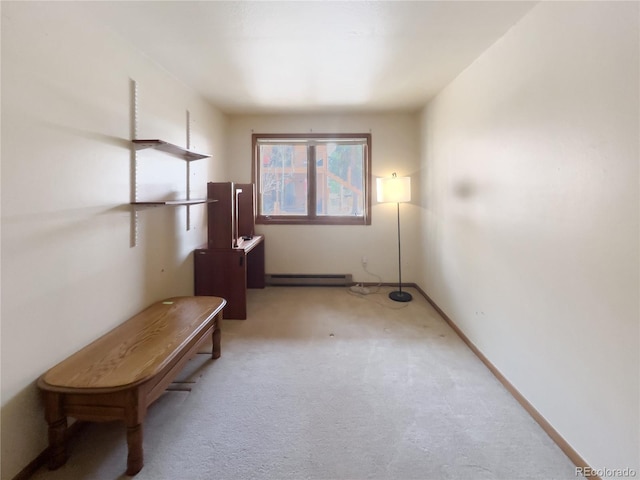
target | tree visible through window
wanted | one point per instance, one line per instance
(317, 178)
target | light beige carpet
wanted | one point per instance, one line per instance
(319, 383)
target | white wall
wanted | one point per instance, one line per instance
(530, 217)
(339, 249)
(69, 272)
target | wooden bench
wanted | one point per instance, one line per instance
(120, 374)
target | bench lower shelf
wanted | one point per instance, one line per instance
(121, 374)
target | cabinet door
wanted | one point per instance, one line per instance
(255, 267)
(246, 209)
(223, 273)
(221, 215)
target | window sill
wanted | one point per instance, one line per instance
(324, 220)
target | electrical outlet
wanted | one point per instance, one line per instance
(363, 260)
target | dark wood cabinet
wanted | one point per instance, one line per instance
(227, 273)
(233, 258)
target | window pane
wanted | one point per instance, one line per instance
(340, 179)
(283, 179)
(338, 166)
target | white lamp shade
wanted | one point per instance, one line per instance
(393, 189)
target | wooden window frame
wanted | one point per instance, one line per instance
(312, 218)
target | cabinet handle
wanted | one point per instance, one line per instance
(241, 260)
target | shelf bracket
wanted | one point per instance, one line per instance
(188, 182)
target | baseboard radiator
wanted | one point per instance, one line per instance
(315, 280)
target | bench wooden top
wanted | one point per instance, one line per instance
(137, 349)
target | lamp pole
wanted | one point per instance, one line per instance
(396, 190)
(399, 295)
(399, 254)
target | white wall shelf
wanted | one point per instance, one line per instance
(177, 151)
(184, 153)
(173, 203)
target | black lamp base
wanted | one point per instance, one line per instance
(399, 296)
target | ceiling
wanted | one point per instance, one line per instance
(312, 56)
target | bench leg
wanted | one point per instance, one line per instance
(216, 335)
(57, 448)
(135, 460)
(57, 421)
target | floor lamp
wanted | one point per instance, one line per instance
(395, 190)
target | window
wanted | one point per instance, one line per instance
(313, 178)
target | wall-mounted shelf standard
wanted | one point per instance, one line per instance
(177, 151)
(167, 147)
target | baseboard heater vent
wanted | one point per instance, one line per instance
(301, 280)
